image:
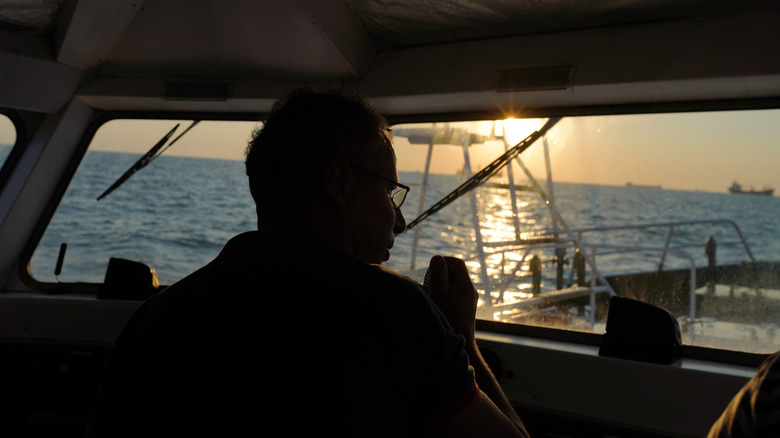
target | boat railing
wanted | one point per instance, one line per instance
(593, 286)
(577, 289)
(525, 248)
(671, 227)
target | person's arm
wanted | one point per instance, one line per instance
(754, 407)
(491, 414)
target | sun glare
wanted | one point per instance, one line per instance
(517, 129)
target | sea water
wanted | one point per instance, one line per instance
(176, 214)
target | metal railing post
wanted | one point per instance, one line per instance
(422, 203)
(477, 228)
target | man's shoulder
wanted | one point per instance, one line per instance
(281, 269)
(392, 278)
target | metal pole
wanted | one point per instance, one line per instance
(666, 245)
(593, 304)
(512, 194)
(478, 234)
(422, 202)
(712, 266)
(550, 193)
(560, 252)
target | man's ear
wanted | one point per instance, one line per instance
(338, 181)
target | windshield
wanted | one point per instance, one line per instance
(173, 215)
(677, 210)
(632, 205)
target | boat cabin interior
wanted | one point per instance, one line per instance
(577, 154)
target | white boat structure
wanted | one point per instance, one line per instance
(76, 71)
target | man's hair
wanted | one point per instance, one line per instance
(305, 131)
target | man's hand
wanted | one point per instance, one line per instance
(492, 414)
(454, 293)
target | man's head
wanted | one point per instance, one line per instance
(304, 167)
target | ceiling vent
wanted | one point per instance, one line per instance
(556, 77)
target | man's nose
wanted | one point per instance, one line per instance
(400, 222)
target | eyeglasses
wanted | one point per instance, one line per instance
(398, 195)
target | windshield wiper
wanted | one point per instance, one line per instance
(148, 157)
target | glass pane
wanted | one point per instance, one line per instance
(173, 215)
(7, 138)
(639, 195)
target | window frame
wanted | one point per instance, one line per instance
(92, 288)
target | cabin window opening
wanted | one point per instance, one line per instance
(634, 205)
(174, 215)
(637, 205)
(7, 138)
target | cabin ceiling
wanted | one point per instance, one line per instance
(414, 22)
(177, 35)
(299, 41)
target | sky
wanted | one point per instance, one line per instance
(703, 151)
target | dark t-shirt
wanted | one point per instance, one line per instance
(285, 337)
(755, 411)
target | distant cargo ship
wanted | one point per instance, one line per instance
(737, 188)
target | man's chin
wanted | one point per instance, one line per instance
(378, 259)
(382, 258)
